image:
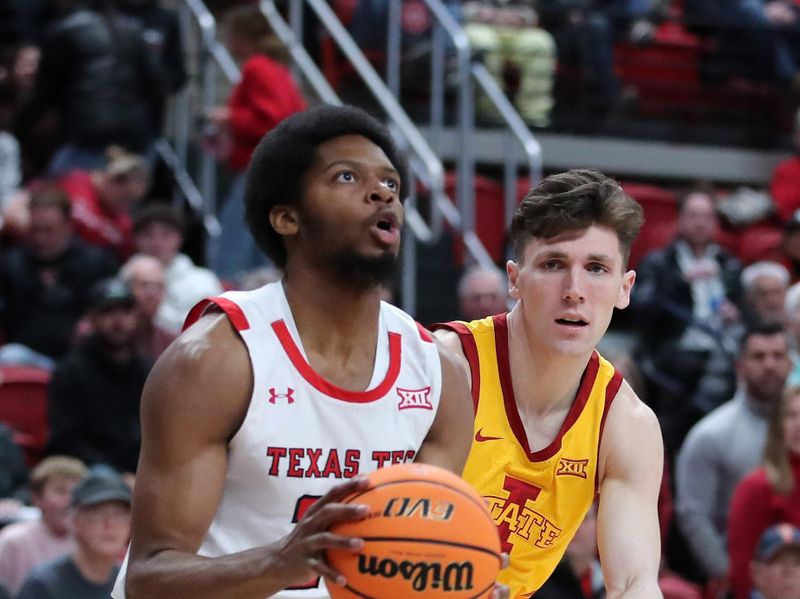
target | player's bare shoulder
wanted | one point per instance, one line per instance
(207, 368)
(450, 349)
(632, 431)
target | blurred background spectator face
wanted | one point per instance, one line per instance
(120, 192)
(160, 240)
(145, 277)
(112, 313)
(50, 224)
(101, 516)
(697, 220)
(763, 366)
(51, 490)
(776, 566)
(765, 285)
(124, 181)
(24, 69)
(115, 326)
(482, 292)
(103, 529)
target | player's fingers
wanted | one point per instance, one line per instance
(337, 512)
(500, 591)
(338, 492)
(504, 560)
(329, 540)
(323, 569)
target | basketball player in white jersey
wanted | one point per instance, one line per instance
(274, 398)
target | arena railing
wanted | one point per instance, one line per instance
(470, 74)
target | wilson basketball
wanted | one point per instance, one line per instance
(428, 534)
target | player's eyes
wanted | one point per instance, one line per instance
(596, 267)
(345, 177)
(392, 185)
(551, 265)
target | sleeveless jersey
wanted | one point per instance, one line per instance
(301, 434)
(537, 499)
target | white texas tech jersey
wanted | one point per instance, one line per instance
(302, 434)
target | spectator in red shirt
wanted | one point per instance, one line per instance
(785, 183)
(102, 200)
(768, 495)
(265, 96)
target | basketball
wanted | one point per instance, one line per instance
(427, 534)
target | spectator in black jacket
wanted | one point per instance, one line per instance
(93, 398)
(686, 301)
(103, 83)
(44, 282)
(162, 36)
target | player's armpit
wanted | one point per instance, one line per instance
(627, 521)
(449, 438)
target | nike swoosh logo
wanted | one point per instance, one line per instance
(480, 438)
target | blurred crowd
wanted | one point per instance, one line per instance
(96, 279)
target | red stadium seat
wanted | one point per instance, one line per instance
(23, 407)
(489, 214)
(760, 242)
(660, 215)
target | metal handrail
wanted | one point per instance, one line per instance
(424, 163)
(186, 184)
(208, 26)
(468, 71)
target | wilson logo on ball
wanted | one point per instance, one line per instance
(422, 575)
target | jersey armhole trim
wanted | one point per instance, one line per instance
(611, 393)
(470, 349)
(231, 309)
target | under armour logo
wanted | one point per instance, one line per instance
(288, 396)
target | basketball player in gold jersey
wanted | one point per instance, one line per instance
(555, 424)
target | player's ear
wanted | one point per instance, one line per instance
(284, 220)
(512, 269)
(624, 298)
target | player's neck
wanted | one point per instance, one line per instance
(544, 381)
(332, 317)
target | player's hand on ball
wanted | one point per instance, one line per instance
(302, 551)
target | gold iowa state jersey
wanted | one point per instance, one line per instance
(537, 499)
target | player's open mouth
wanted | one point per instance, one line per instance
(385, 228)
(572, 322)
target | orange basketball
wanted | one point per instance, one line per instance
(428, 534)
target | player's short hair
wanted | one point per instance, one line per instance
(283, 157)
(57, 466)
(573, 201)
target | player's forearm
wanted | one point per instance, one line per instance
(252, 574)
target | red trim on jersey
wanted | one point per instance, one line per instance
(423, 333)
(512, 413)
(331, 390)
(611, 392)
(470, 349)
(231, 309)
